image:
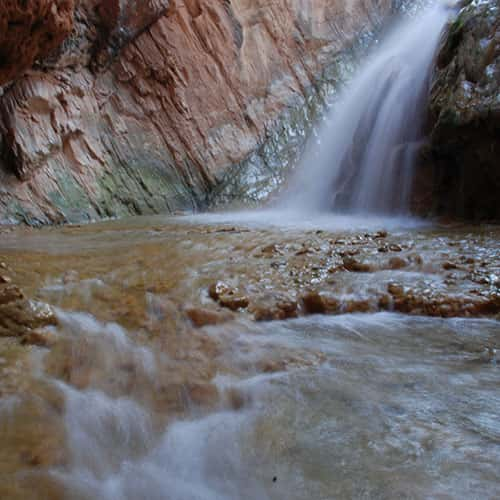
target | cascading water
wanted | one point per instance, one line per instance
(364, 158)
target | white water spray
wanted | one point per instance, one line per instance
(367, 147)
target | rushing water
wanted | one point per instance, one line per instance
(363, 159)
(133, 402)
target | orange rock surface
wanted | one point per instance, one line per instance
(141, 110)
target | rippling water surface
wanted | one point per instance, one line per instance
(132, 401)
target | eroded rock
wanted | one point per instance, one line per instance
(228, 296)
(29, 30)
(201, 316)
(273, 306)
(459, 173)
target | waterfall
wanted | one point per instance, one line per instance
(363, 159)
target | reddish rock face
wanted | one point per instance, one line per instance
(30, 30)
(143, 109)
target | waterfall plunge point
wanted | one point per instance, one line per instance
(363, 160)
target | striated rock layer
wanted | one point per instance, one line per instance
(146, 105)
(460, 174)
(30, 30)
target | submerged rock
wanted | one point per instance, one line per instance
(20, 317)
(351, 264)
(228, 296)
(273, 306)
(314, 302)
(201, 316)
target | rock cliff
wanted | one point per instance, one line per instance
(460, 174)
(116, 107)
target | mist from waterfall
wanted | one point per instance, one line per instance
(363, 159)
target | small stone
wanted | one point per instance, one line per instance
(380, 234)
(314, 302)
(41, 314)
(270, 250)
(274, 306)
(357, 306)
(38, 338)
(234, 302)
(384, 302)
(355, 266)
(5, 279)
(200, 316)
(395, 248)
(227, 296)
(383, 249)
(397, 263)
(449, 265)
(395, 290)
(302, 251)
(219, 288)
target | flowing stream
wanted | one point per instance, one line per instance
(363, 157)
(132, 400)
(345, 358)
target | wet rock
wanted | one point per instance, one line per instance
(446, 306)
(353, 265)
(216, 290)
(461, 161)
(200, 316)
(395, 289)
(203, 394)
(303, 251)
(380, 235)
(314, 302)
(273, 306)
(9, 294)
(270, 250)
(5, 279)
(395, 248)
(449, 265)
(396, 263)
(227, 296)
(385, 302)
(38, 338)
(19, 316)
(350, 253)
(234, 302)
(362, 305)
